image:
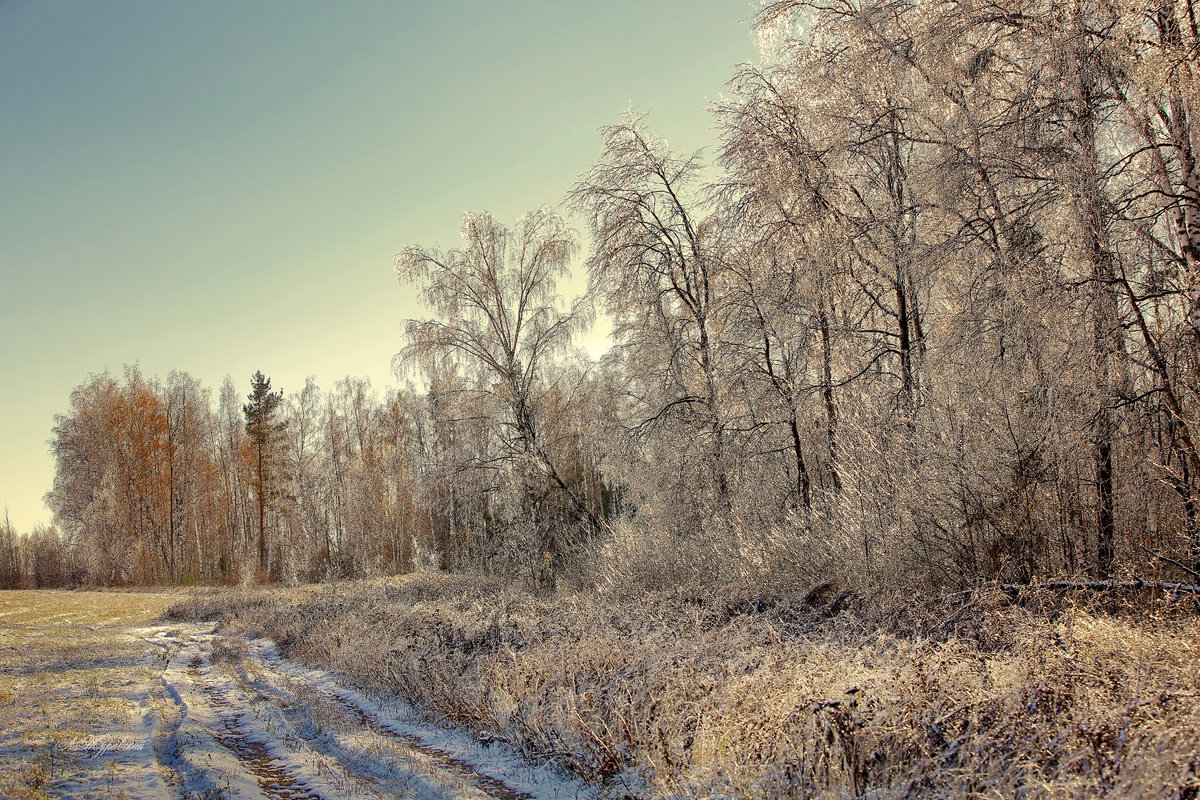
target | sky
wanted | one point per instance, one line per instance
(220, 187)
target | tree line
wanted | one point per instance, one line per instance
(935, 320)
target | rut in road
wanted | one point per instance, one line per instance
(254, 725)
(284, 687)
(276, 782)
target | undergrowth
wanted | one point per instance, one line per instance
(820, 694)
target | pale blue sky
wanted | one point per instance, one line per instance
(219, 187)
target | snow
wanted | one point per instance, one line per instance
(255, 725)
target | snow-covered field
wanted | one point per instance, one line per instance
(97, 700)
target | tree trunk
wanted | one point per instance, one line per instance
(831, 417)
(1084, 188)
(803, 486)
(716, 429)
(262, 516)
(905, 339)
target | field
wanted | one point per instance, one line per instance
(76, 706)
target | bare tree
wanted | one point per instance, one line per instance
(498, 318)
(656, 272)
(10, 555)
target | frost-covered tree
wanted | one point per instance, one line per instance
(498, 320)
(10, 555)
(656, 270)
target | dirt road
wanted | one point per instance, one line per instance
(96, 703)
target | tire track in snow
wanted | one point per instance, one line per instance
(412, 749)
(248, 723)
(277, 782)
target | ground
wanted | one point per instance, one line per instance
(313, 692)
(99, 698)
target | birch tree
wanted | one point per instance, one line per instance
(656, 272)
(498, 319)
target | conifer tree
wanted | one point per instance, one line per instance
(264, 432)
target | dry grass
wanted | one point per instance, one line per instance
(811, 696)
(65, 660)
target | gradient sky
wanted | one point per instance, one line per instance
(220, 187)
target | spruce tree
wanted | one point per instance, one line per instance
(264, 432)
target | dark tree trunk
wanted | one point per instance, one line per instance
(803, 486)
(1084, 188)
(831, 417)
(262, 517)
(905, 339)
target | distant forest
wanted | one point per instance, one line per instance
(929, 317)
